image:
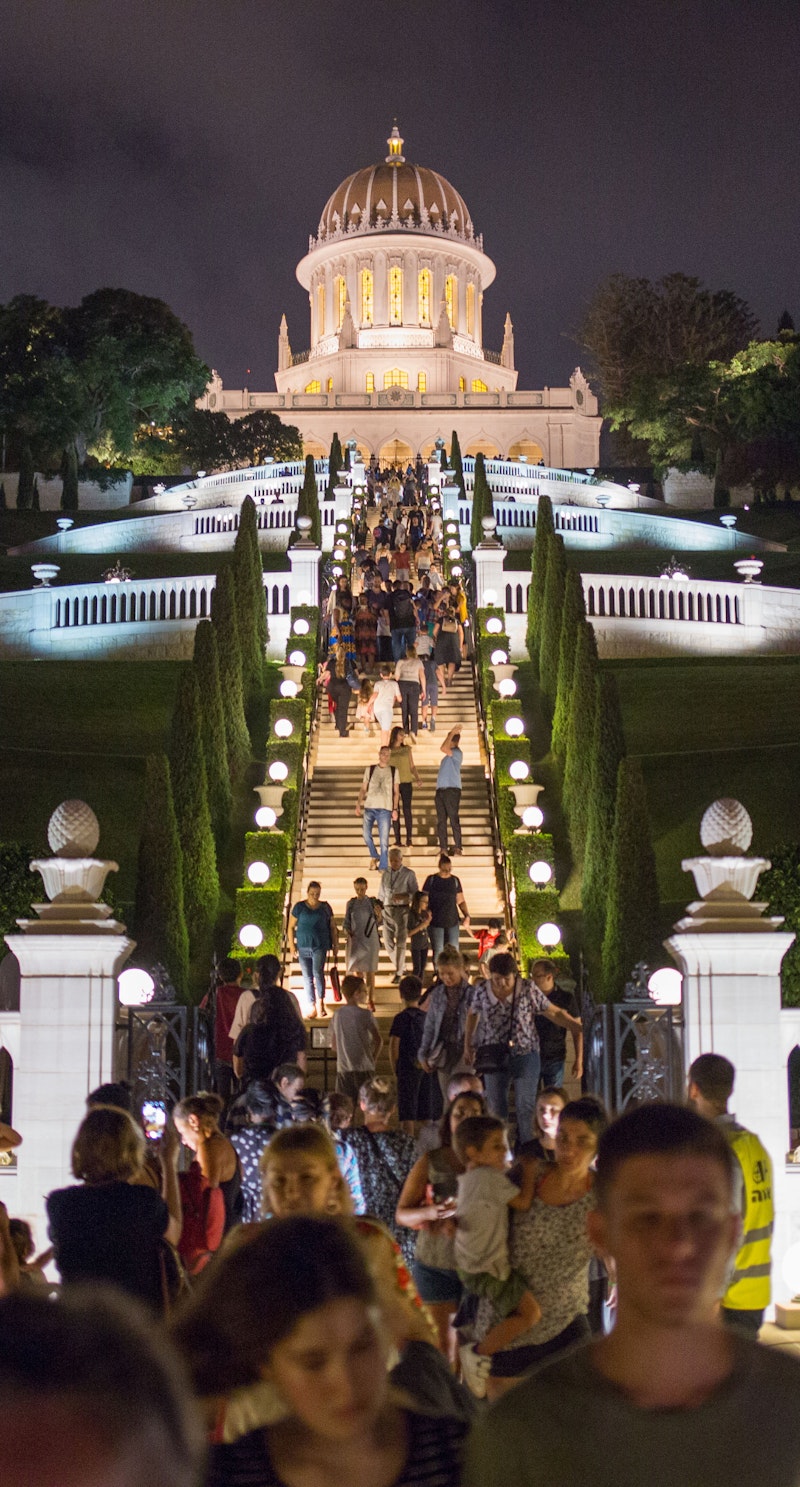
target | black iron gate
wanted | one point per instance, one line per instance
(633, 1050)
(165, 1050)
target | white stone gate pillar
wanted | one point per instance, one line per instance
(69, 959)
(489, 558)
(304, 558)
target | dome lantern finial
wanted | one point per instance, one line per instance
(395, 143)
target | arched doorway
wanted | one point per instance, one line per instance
(396, 452)
(528, 449)
(313, 447)
(485, 446)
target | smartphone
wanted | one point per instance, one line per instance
(154, 1119)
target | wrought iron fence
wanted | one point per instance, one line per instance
(633, 1052)
(166, 1050)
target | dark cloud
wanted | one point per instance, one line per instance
(185, 149)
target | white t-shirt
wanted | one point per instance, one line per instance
(379, 787)
(482, 1222)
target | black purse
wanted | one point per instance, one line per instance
(494, 1058)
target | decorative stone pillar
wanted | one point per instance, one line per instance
(730, 954)
(489, 558)
(69, 957)
(304, 557)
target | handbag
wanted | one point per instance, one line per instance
(494, 1058)
(335, 983)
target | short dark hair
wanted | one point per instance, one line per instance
(714, 1076)
(120, 1095)
(229, 969)
(445, 1131)
(287, 1071)
(658, 1130)
(475, 1132)
(502, 964)
(589, 1110)
(410, 988)
(548, 966)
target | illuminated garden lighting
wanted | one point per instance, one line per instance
(250, 936)
(258, 873)
(451, 526)
(278, 771)
(548, 935)
(135, 987)
(456, 570)
(515, 727)
(297, 658)
(540, 873)
(455, 552)
(665, 986)
(519, 770)
(265, 817)
(300, 626)
(533, 817)
(289, 688)
(451, 542)
(337, 570)
(339, 554)
(494, 626)
(489, 597)
(499, 658)
(284, 728)
(507, 687)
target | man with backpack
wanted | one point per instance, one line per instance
(402, 619)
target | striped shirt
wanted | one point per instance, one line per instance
(435, 1448)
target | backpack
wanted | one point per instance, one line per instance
(403, 616)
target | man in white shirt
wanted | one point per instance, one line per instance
(379, 798)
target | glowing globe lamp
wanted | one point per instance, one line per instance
(518, 769)
(489, 596)
(455, 552)
(451, 542)
(665, 985)
(540, 873)
(494, 626)
(548, 935)
(258, 873)
(300, 626)
(514, 727)
(135, 987)
(297, 658)
(451, 526)
(533, 817)
(250, 936)
(278, 771)
(507, 687)
(289, 688)
(456, 570)
(265, 816)
(499, 658)
(284, 728)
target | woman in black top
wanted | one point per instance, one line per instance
(295, 1306)
(446, 904)
(274, 1035)
(111, 1229)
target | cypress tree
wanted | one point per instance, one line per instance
(69, 479)
(632, 916)
(572, 614)
(26, 473)
(160, 924)
(552, 609)
(335, 462)
(308, 501)
(545, 527)
(457, 464)
(35, 495)
(251, 611)
(190, 794)
(481, 500)
(577, 759)
(212, 727)
(608, 750)
(223, 616)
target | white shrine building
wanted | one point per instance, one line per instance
(396, 277)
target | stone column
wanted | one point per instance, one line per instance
(730, 954)
(304, 558)
(489, 558)
(70, 957)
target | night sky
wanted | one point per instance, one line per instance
(185, 149)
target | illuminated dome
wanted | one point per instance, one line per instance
(395, 194)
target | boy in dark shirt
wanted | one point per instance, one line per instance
(552, 1039)
(405, 1036)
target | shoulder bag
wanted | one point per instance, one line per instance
(494, 1058)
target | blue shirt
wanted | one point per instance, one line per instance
(449, 776)
(313, 929)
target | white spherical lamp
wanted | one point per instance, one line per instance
(455, 552)
(518, 769)
(258, 873)
(548, 935)
(289, 688)
(278, 771)
(265, 817)
(456, 570)
(494, 626)
(300, 626)
(499, 658)
(540, 873)
(515, 727)
(451, 526)
(337, 570)
(135, 987)
(665, 986)
(489, 597)
(284, 728)
(533, 817)
(507, 687)
(297, 658)
(250, 936)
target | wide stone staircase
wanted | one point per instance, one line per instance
(332, 849)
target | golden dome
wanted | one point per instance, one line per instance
(396, 195)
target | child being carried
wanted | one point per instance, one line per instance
(485, 1194)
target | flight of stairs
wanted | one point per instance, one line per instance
(332, 849)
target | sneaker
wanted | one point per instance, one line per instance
(432, 726)
(474, 1370)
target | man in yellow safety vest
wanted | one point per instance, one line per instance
(711, 1080)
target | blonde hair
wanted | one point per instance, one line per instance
(308, 1140)
(378, 1096)
(109, 1146)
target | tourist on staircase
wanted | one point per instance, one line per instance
(448, 641)
(402, 618)
(402, 759)
(379, 802)
(396, 893)
(447, 906)
(410, 677)
(446, 1005)
(362, 917)
(385, 1157)
(314, 936)
(355, 1038)
(448, 791)
(385, 695)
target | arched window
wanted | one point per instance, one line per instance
(462, 384)
(315, 386)
(193, 604)
(366, 308)
(320, 309)
(478, 385)
(422, 382)
(451, 298)
(340, 299)
(470, 309)
(330, 384)
(395, 295)
(369, 383)
(395, 378)
(424, 296)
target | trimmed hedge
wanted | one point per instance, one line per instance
(271, 847)
(533, 909)
(499, 712)
(506, 750)
(528, 847)
(293, 708)
(263, 907)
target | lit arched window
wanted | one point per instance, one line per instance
(330, 384)
(367, 300)
(422, 382)
(314, 386)
(395, 296)
(320, 309)
(470, 309)
(424, 296)
(340, 290)
(478, 386)
(462, 386)
(451, 298)
(370, 382)
(395, 378)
